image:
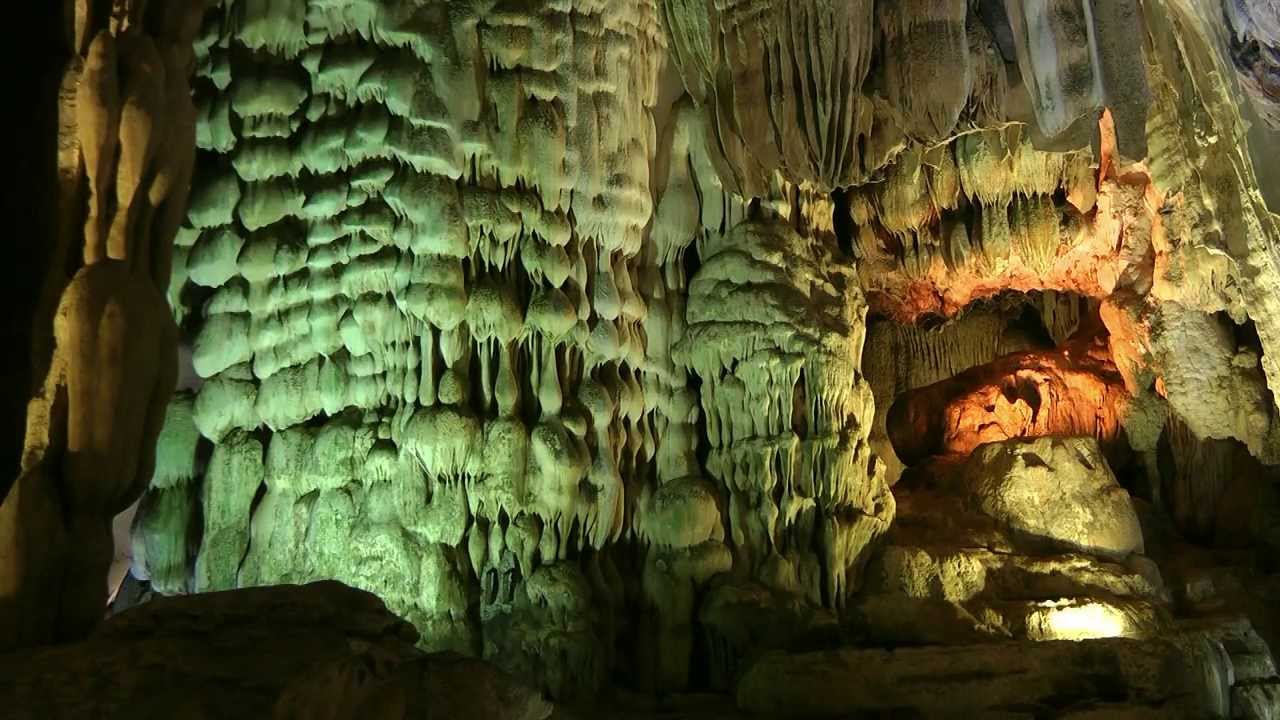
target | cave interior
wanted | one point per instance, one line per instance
(643, 359)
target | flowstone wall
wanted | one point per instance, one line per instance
(546, 322)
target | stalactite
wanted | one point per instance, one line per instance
(402, 262)
(918, 39)
(755, 339)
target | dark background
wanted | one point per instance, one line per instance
(34, 55)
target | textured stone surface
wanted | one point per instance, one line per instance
(125, 157)
(484, 297)
(1182, 676)
(1074, 391)
(1060, 490)
(1253, 29)
(536, 318)
(948, 574)
(315, 651)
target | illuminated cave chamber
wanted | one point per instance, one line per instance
(837, 355)
(1003, 427)
(1046, 398)
(1016, 366)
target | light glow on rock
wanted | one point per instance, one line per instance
(1066, 620)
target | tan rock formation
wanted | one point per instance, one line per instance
(93, 428)
(1005, 544)
(1058, 490)
(1024, 395)
(1187, 675)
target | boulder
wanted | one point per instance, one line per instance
(1059, 490)
(947, 573)
(923, 594)
(317, 651)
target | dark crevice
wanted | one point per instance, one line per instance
(34, 75)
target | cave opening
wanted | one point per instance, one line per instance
(1011, 366)
(1023, 366)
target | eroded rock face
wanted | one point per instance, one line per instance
(1024, 395)
(902, 358)
(1254, 40)
(127, 134)
(1056, 489)
(949, 572)
(776, 338)
(1218, 390)
(418, 229)
(783, 112)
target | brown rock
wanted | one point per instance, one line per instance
(317, 651)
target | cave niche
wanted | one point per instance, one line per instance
(1014, 365)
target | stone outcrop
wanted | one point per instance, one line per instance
(127, 132)
(1055, 490)
(314, 651)
(1070, 392)
(1027, 539)
(776, 338)
(1189, 674)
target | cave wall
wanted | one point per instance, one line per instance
(547, 324)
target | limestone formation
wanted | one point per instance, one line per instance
(776, 342)
(1058, 490)
(1253, 35)
(93, 427)
(628, 342)
(993, 547)
(1187, 675)
(539, 320)
(1023, 395)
